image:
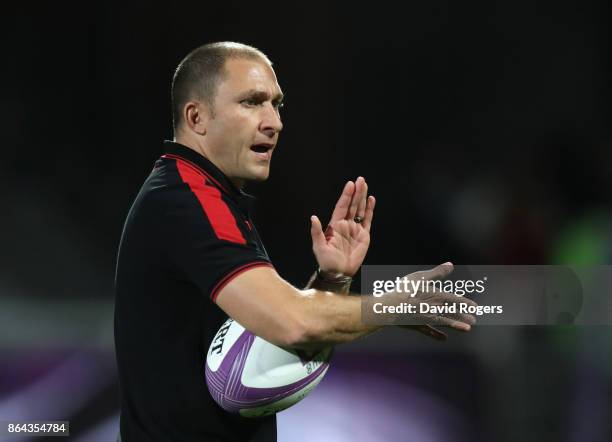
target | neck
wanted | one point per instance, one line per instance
(190, 142)
(198, 146)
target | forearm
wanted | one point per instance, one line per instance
(264, 303)
(329, 319)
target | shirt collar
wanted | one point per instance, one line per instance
(215, 176)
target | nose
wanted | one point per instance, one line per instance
(271, 122)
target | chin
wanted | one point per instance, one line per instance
(259, 178)
(259, 175)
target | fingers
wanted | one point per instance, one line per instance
(460, 319)
(344, 202)
(361, 190)
(316, 232)
(464, 300)
(362, 197)
(460, 303)
(427, 330)
(354, 202)
(463, 317)
(438, 272)
(432, 332)
(452, 323)
(369, 213)
(445, 309)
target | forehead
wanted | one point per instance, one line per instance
(245, 74)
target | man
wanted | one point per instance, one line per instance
(190, 255)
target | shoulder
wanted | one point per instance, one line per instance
(174, 184)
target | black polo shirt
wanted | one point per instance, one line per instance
(186, 236)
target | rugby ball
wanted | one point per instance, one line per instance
(249, 376)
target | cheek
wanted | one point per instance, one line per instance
(237, 126)
(224, 133)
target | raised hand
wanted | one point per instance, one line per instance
(345, 242)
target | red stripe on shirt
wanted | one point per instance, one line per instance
(230, 276)
(218, 213)
(196, 167)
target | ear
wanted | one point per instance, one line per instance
(196, 116)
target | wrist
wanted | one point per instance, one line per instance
(331, 281)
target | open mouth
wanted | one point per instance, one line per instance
(261, 148)
(263, 151)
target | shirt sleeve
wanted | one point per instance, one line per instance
(208, 246)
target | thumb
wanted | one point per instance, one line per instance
(316, 231)
(428, 330)
(433, 332)
(439, 272)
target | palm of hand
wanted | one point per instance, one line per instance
(346, 246)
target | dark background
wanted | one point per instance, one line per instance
(483, 130)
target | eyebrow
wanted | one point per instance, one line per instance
(261, 95)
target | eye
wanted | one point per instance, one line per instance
(278, 105)
(250, 102)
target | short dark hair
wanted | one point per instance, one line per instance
(198, 75)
